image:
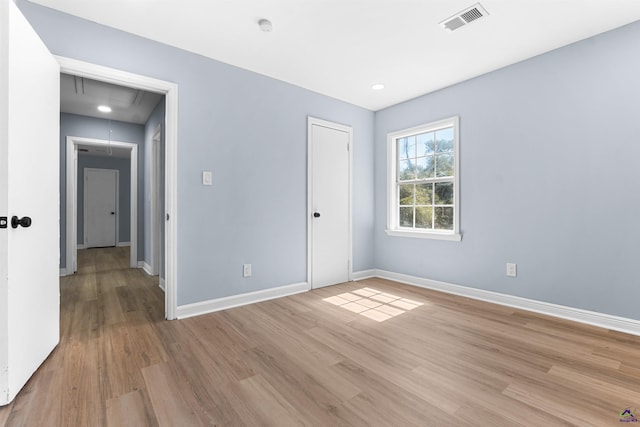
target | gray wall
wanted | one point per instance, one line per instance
(250, 130)
(123, 167)
(90, 127)
(549, 153)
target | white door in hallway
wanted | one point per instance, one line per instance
(329, 203)
(29, 188)
(100, 207)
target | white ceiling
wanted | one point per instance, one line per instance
(82, 96)
(341, 47)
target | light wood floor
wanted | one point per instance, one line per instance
(369, 353)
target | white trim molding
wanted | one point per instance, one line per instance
(170, 90)
(364, 274)
(147, 268)
(393, 182)
(71, 178)
(210, 306)
(63, 272)
(607, 321)
(121, 244)
(162, 285)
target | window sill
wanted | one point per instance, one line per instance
(456, 237)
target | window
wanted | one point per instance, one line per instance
(423, 181)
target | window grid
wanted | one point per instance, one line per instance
(426, 160)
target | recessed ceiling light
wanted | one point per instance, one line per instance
(377, 86)
(104, 109)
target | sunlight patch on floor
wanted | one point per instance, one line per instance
(374, 304)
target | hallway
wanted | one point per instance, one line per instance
(107, 312)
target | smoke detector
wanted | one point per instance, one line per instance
(467, 16)
(265, 25)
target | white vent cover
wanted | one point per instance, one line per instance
(465, 17)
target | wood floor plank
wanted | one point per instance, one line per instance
(399, 408)
(367, 353)
(129, 410)
(5, 411)
(271, 407)
(572, 410)
(169, 403)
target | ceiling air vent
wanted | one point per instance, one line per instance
(465, 17)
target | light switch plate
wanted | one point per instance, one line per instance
(207, 178)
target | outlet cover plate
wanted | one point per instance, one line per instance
(512, 269)
(207, 178)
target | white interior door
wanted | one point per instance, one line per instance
(330, 219)
(100, 207)
(29, 187)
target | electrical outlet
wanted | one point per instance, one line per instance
(511, 269)
(246, 270)
(207, 178)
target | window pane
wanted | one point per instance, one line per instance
(444, 165)
(406, 217)
(424, 216)
(424, 194)
(401, 143)
(406, 194)
(407, 147)
(444, 140)
(444, 193)
(424, 167)
(425, 144)
(406, 170)
(443, 218)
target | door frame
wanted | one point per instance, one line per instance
(170, 90)
(72, 198)
(311, 121)
(155, 225)
(116, 239)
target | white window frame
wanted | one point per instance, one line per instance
(393, 228)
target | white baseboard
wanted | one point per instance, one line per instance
(141, 264)
(162, 285)
(80, 246)
(364, 274)
(146, 267)
(607, 321)
(63, 272)
(204, 307)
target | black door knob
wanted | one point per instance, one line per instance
(316, 214)
(24, 221)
